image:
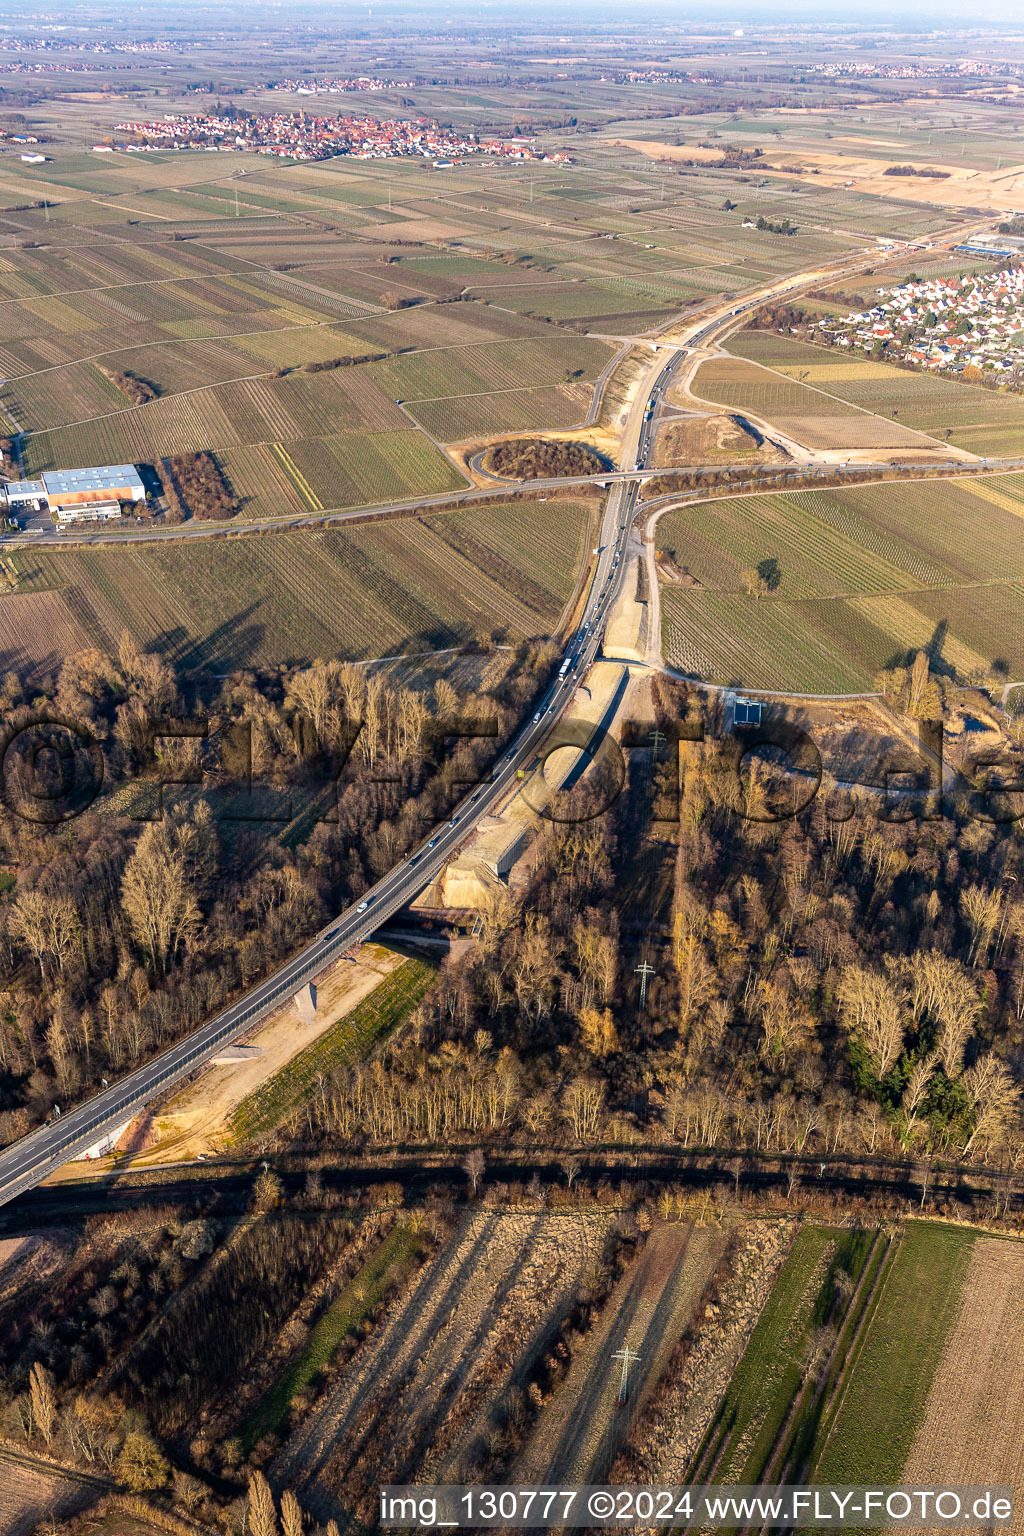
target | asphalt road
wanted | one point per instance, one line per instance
(28, 1161)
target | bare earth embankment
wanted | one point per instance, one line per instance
(197, 1119)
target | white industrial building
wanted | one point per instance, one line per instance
(25, 495)
(77, 495)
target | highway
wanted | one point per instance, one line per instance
(28, 1161)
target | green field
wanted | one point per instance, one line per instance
(892, 1368)
(854, 581)
(404, 585)
(834, 1380)
(751, 1415)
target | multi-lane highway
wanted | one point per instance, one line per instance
(28, 1161)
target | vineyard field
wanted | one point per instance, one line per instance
(984, 421)
(513, 410)
(809, 414)
(409, 585)
(816, 591)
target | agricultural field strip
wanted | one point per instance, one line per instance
(755, 1394)
(856, 526)
(476, 394)
(176, 341)
(650, 1307)
(829, 646)
(63, 293)
(816, 389)
(743, 529)
(177, 595)
(973, 1424)
(544, 408)
(446, 1326)
(930, 394)
(896, 1358)
(731, 640)
(345, 1310)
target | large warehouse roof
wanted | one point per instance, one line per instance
(108, 477)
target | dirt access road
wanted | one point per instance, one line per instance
(582, 1428)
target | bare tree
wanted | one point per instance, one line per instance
(584, 1105)
(473, 1167)
(995, 1099)
(44, 1400)
(49, 927)
(291, 1514)
(157, 894)
(262, 1515)
(189, 1491)
(871, 1008)
(916, 1091)
(980, 909)
(315, 690)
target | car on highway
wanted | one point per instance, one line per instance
(536, 718)
(362, 906)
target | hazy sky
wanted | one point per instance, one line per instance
(627, 15)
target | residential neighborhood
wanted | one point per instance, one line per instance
(318, 85)
(302, 137)
(950, 324)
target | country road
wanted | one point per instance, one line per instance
(27, 1162)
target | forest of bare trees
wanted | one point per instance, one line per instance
(833, 981)
(120, 930)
